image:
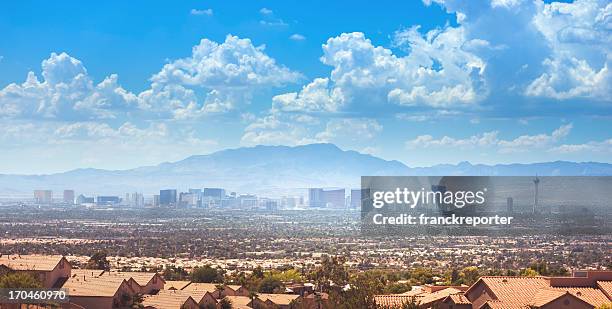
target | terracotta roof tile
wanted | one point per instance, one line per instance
(592, 296)
(31, 262)
(167, 300)
(459, 299)
(176, 284)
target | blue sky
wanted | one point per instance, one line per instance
(124, 84)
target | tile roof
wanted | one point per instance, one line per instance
(279, 299)
(392, 300)
(459, 299)
(592, 296)
(208, 287)
(142, 278)
(414, 292)
(239, 302)
(85, 272)
(606, 287)
(514, 291)
(31, 262)
(176, 284)
(545, 296)
(518, 292)
(93, 286)
(429, 298)
(167, 299)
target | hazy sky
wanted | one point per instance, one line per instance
(122, 84)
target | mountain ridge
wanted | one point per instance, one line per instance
(273, 168)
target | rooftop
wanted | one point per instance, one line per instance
(31, 262)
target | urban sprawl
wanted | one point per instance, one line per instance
(208, 248)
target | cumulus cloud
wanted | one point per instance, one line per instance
(65, 92)
(437, 72)
(230, 72)
(216, 78)
(580, 37)
(491, 140)
(316, 96)
(567, 54)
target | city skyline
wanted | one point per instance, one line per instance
(420, 82)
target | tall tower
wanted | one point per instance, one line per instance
(536, 183)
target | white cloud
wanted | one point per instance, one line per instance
(579, 36)
(266, 11)
(438, 72)
(274, 130)
(604, 146)
(294, 37)
(66, 92)
(216, 78)
(299, 129)
(427, 141)
(490, 140)
(554, 50)
(229, 72)
(270, 20)
(349, 130)
(316, 96)
(205, 12)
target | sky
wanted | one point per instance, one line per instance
(122, 84)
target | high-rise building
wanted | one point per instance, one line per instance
(167, 197)
(536, 183)
(43, 196)
(315, 198)
(135, 199)
(83, 200)
(214, 193)
(355, 198)
(156, 200)
(69, 197)
(107, 200)
(510, 205)
(318, 197)
(188, 199)
(334, 198)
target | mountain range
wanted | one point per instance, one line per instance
(272, 169)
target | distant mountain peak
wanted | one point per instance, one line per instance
(260, 168)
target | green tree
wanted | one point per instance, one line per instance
(270, 285)
(397, 288)
(172, 272)
(206, 274)
(98, 260)
(528, 272)
(225, 303)
(19, 280)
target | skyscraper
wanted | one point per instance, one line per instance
(167, 197)
(214, 193)
(355, 198)
(69, 197)
(510, 205)
(536, 183)
(43, 196)
(334, 198)
(315, 197)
